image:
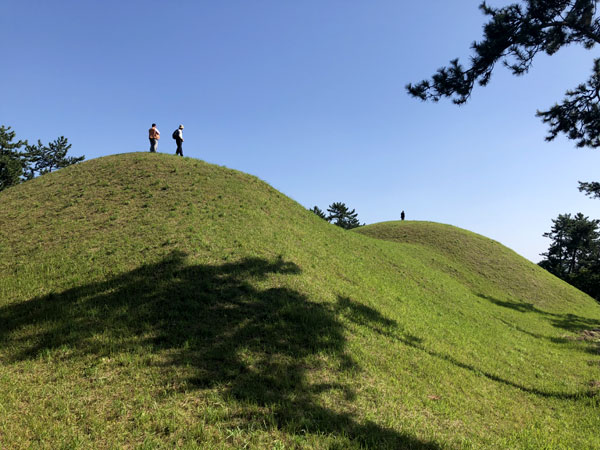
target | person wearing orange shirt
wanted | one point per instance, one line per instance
(154, 136)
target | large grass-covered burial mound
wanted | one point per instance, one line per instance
(152, 301)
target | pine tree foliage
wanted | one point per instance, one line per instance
(11, 171)
(319, 212)
(47, 158)
(342, 216)
(591, 189)
(11, 158)
(513, 36)
(574, 253)
(339, 214)
(17, 165)
(7, 146)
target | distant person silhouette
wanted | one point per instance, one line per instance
(178, 136)
(402, 215)
(154, 136)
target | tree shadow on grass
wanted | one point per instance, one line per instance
(215, 322)
(568, 322)
(553, 339)
(373, 320)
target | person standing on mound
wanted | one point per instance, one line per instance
(178, 136)
(154, 136)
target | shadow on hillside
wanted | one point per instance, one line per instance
(214, 324)
(569, 322)
(386, 327)
(553, 339)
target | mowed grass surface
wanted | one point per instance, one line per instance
(153, 301)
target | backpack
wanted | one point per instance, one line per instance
(176, 134)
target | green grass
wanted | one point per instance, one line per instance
(152, 301)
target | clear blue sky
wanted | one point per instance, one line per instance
(308, 96)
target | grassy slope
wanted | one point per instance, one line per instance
(149, 300)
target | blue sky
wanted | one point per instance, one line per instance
(308, 96)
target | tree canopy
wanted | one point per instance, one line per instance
(11, 158)
(591, 189)
(46, 158)
(513, 36)
(574, 253)
(20, 161)
(340, 215)
(319, 212)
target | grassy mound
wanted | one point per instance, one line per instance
(481, 264)
(154, 301)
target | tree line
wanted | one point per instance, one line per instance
(21, 161)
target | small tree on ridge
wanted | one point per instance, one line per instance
(341, 216)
